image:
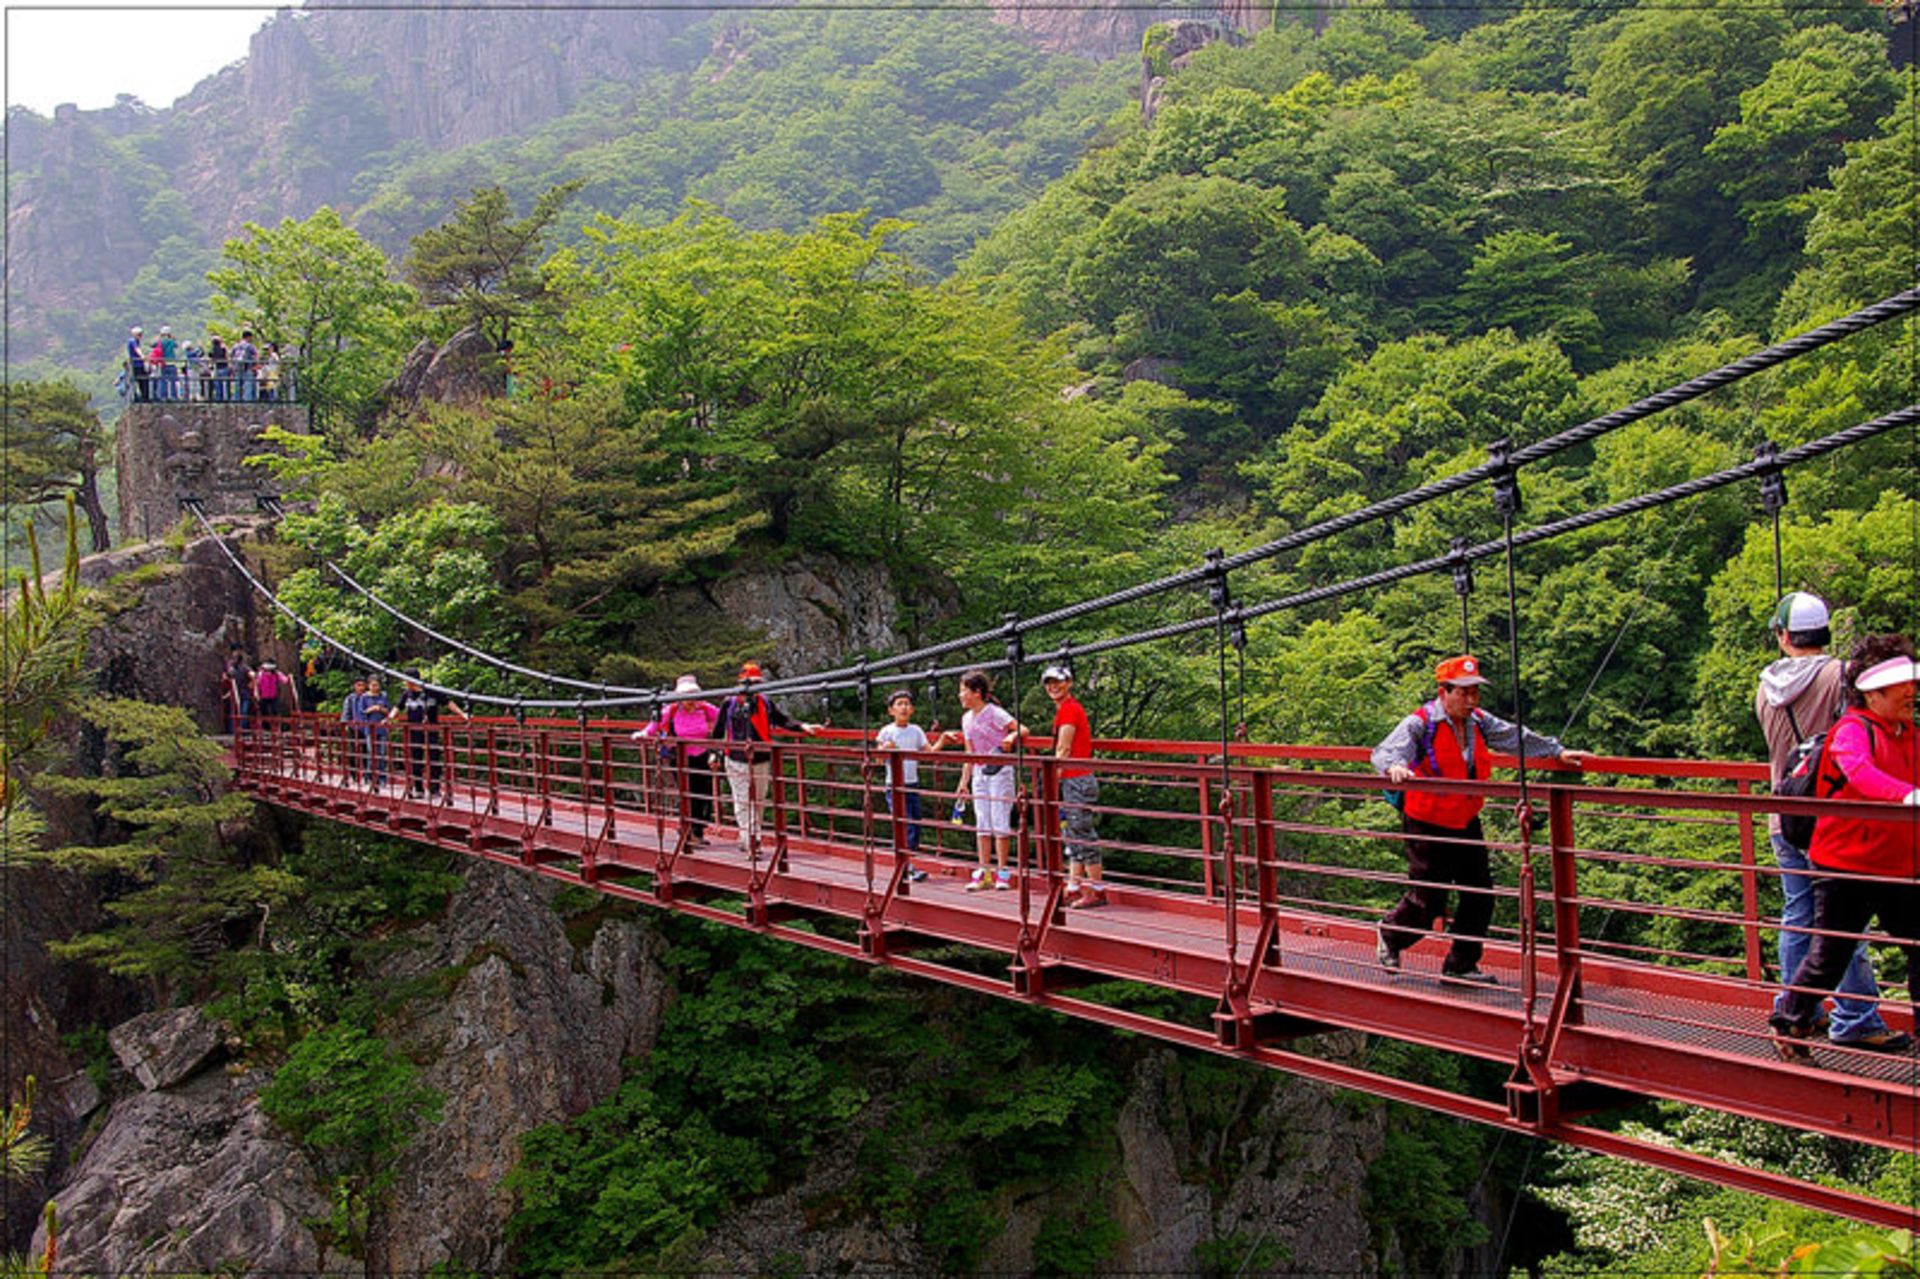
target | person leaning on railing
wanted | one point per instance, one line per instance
(1802, 694)
(1870, 755)
(1449, 737)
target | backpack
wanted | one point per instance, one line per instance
(269, 684)
(1806, 768)
(1398, 798)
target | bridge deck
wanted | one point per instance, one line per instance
(1584, 1030)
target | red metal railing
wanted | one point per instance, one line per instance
(1251, 884)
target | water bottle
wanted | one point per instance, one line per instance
(959, 811)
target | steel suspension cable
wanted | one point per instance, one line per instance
(834, 681)
(1808, 452)
(545, 677)
(1802, 344)
(390, 672)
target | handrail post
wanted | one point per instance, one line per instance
(606, 779)
(493, 772)
(1206, 828)
(1750, 892)
(1267, 877)
(897, 806)
(779, 798)
(1566, 905)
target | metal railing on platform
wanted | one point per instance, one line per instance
(201, 380)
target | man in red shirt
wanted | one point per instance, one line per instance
(1079, 790)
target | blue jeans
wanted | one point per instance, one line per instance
(913, 816)
(1852, 1018)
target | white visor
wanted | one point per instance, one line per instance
(1895, 670)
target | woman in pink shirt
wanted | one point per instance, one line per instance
(690, 721)
(1870, 755)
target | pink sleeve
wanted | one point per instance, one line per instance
(651, 728)
(1852, 753)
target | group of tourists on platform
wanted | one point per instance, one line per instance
(168, 369)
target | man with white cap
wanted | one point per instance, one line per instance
(1449, 737)
(1866, 868)
(137, 364)
(1800, 696)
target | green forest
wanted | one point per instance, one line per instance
(899, 291)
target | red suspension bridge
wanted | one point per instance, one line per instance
(1250, 884)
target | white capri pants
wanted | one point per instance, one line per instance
(993, 801)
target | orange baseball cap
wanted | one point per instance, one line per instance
(750, 670)
(1459, 670)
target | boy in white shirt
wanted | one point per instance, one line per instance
(905, 735)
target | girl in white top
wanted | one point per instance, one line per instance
(988, 729)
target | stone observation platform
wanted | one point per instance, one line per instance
(168, 450)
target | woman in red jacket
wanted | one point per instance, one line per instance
(1871, 755)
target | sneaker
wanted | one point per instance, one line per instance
(1382, 951)
(1883, 1041)
(979, 882)
(916, 876)
(1003, 880)
(1469, 976)
(1092, 898)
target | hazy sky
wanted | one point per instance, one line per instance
(156, 51)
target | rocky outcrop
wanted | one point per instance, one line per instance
(167, 451)
(815, 609)
(168, 620)
(1098, 31)
(529, 1029)
(161, 1049)
(74, 236)
(1168, 48)
(465, 371)
(193, 1179)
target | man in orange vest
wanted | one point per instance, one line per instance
(1449, 737)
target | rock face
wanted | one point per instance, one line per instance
(814, 610)
(530, 1031)
(161, 1049)
(465, 371)
(192, 1178)
(169, 622)
(1175, 44)
(166, 451)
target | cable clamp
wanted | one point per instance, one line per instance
(1462, 568)
(1237, 629)
(1773, 480)
(1219, 593)
(1016, 647)
(1506, 478)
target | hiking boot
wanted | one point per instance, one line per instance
(1790, 1039)
(1468, 976)
(1883, 1041)
(1385, 953)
